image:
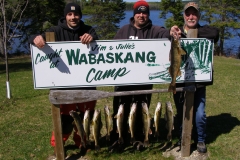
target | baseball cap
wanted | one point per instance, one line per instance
(191, 4)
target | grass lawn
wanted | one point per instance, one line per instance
(26, 120)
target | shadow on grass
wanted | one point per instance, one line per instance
(220, 124)
(16, 67)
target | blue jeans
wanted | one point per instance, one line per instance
(199, 115)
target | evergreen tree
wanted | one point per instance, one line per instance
(225, 15)
(105, 16)
(175, 8)
(42, 14)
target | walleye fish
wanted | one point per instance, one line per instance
(146, 123)
(131, 121)
(175, 57)
(86, 125)
(169, 119)
(119, 116)
(79, 125)
(109, 122)
(157, 116)
(96, 127)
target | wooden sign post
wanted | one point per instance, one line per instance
(56, 117)
(188, 111)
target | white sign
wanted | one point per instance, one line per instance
(116, 62)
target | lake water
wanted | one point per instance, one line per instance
(232, 44)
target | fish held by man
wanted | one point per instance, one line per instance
(96, 127)
(176, 53)
(120, 116)
(86, 125)
(157, 116)
(146, 123)
(169, 120)
(132, 120)
(79, 125)
(109, 122)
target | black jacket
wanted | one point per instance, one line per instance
(205, 32)
(64, 33)
(149, 31)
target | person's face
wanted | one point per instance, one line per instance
(73, 19)
(140, 19)
(191, 17)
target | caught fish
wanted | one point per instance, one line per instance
(146, 123)
(131, 121)
(175, 57)
(79, 125)
(157, 116)
(109, 122)
(86, 125)
(96, 127)
(170, 120)
(120, 116)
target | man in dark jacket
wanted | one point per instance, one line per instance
(70, 28)
(140, 27)
(191, 19)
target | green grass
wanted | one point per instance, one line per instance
(26, 120)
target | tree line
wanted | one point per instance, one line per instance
(24, 17)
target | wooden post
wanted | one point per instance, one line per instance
(188, 112)
(56, 117)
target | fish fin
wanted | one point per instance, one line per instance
(179, 73)
(182, 52)
(169, 70)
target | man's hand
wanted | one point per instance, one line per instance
(39, 41)
(174, 31)
(86, 38)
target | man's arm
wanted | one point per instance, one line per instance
(208, 32)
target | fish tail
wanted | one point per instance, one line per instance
(83, 144)
(169, 137)
(88, 142)
(146, 143)
(97, 148)
(172, 87)
(120, 140)
(108, 137)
